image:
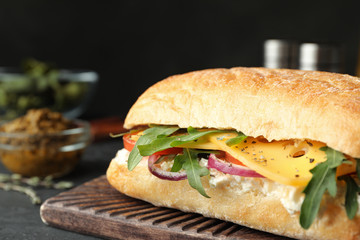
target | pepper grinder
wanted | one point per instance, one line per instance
(321, 57)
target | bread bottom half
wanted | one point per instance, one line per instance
(251, 208)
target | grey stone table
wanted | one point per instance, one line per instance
(20, 219)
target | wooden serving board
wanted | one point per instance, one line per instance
(95, 208)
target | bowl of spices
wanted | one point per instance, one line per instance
(43, 143)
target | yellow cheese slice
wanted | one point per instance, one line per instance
(202, 143)
(288, 162)
(278, 160)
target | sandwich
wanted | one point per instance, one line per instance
(276, 150)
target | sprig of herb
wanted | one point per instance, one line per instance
(15, 182)
(35, 199)
(323, 179)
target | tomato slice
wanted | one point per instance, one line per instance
(227, 157)
(129, 144)
(231, 159)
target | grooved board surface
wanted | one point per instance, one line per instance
(95, 208)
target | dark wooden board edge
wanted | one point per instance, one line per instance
(105, 228)
(87, 209)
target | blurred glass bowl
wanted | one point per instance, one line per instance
(44, 154)
(66, 91)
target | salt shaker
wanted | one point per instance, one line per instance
(280, 53)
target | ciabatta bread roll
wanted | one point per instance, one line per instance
(260, 182)
(266, 206)
(277, 104)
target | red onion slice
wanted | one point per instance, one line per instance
(232, 169)
(160, 173)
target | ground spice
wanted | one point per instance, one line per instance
(33, 144)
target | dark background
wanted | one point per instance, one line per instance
(132, 44)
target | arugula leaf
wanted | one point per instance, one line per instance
(194, 171)
(162, 143)
(334, 158)
(324, 178)
(238, 139)
(358, 167)
(352, 190)
(150, 134)
(192, 135)
(116, 135)
(156, 145)
(179, 160)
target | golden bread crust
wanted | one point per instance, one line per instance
(252, 209)
(275, 103)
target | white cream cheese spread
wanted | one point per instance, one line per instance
(291, 197)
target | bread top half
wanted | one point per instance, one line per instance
(275, 103)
